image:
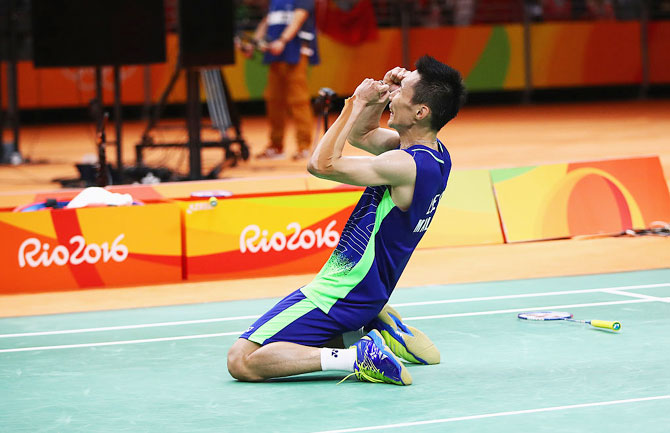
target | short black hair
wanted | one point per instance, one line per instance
(441, 88)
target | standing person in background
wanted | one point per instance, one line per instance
(288, 37)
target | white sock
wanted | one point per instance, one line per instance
(338, 359)
(349, 338)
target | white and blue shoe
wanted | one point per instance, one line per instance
(376, 363)
(405, 341)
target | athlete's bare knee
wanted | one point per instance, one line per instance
(238, 361)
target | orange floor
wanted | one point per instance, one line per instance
(481, 137)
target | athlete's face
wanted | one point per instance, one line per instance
(403, 111)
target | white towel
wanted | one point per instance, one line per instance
(96, 196)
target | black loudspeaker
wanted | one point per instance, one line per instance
(206, 32)
(98, 32)
(15, 39)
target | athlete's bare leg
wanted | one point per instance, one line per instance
(251, 362)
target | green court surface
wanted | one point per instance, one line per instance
(164, 369)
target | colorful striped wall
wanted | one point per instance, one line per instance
(491, 58)
(586, 54)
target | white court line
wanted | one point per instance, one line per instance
(407, 304)
(519, 310)
(116, 343)
(441, 316)
(114, 328)
(498, 414)
(637, 295)
(531, 295)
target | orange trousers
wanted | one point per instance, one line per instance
(287, 93)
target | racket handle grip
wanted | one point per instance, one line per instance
(615, 326)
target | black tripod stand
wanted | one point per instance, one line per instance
(222, 112)
(13, 34)
(104, 175)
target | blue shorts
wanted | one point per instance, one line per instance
(295, 319)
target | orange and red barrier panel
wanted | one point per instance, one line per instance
(565, 200)
(281, 232)
(90, 247)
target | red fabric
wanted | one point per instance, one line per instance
(351, 27)
(498, 11)
(599, 9)
(170, 15)
(556, 10)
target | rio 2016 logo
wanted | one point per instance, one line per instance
(34, 253)
(253, 239)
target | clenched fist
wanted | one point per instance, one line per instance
(394, 77)
(372, 92)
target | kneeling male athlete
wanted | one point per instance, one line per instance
(405, 178)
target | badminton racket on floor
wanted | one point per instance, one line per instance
(562, 315)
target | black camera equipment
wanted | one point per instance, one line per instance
(206, 42)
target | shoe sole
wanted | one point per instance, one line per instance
(418, 348)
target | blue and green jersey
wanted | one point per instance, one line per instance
(377, 242)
